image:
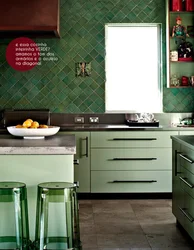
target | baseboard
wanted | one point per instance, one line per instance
(124, 196)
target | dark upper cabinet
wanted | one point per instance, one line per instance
(34, 18)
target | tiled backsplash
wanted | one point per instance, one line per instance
(54, 85)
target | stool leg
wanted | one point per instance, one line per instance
(18, 217)
(25, 212)
(43, 218)
(76, 219)
(69, 224)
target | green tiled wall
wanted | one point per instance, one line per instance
(54, 84)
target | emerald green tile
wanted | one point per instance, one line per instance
(54, 84)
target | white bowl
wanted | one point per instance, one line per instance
(31, 133)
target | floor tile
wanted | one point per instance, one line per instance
(87, 228)
(115, 218)
(163, 241)
(118, 228)
(122, 240)
(117, 206)
(89, 241)
(130, 225)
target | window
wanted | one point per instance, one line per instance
(133, 68)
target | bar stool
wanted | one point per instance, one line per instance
(49, 196)
(13, 204)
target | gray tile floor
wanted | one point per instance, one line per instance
(130, 225)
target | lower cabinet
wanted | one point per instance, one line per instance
(183, 186)
(131, 162)
(123, 161)
(82, 160)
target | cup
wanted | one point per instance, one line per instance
(192, 81)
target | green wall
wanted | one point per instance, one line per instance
(54, 84)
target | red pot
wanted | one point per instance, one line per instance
(177, 5)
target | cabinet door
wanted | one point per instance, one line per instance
(134, 139)
(177, 190)
(131, 181)
(82, 169)
(131, 159)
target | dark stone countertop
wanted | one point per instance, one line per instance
(120, 127)
(112, 127)
(187, 140)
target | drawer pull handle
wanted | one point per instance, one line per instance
(134, 139)
(186, 158)
(176, 163)
(87, 146)
(187, 183)
(134, 159)
(191, 219)
(76, 162)
(125, 181)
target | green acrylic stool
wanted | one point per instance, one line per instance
(49, 196)
(14, 226)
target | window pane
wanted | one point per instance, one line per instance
(133, 68)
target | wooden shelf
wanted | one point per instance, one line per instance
(181, 37)
(181, 12)
(180, 67)
(181, 61)
(181, 87)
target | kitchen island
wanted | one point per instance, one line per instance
(33, 161)
(183, 181)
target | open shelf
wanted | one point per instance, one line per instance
(180, 87)
(183, 67)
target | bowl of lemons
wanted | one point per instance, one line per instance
(30, 129)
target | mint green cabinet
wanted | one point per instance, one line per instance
(130, 181)
(190, 132)
(82, 157)
(131, 161)
(32, 170)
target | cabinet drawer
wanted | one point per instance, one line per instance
(186, 157)
(187, 181)
(188, 212)
(131, 159)
(132, 139)
(131, 181)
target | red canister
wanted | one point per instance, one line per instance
(189, 5)
(177, 5)
(184, 80)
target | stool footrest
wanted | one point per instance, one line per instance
(59, 243)
(9, 242)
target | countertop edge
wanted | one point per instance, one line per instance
(52, 145)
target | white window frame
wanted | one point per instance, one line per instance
(119, 92)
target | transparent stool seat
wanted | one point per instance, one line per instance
(14, 226)
(57, 217)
